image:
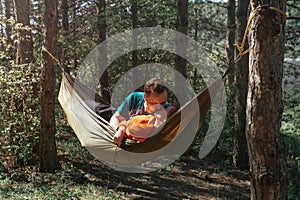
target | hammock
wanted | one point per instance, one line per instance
(96, 134)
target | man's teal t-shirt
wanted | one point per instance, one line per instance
(133, 104)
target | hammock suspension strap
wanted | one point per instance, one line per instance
(241, 47)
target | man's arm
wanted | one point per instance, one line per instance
(116, 119)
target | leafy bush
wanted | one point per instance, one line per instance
(290, 127)
(19, 119)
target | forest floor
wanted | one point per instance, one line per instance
(83, 177)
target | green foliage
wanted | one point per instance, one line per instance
(19, 120)
(292, 29)
(7, 44)
(294, 190)
(290, 126)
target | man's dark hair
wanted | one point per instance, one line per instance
(154, 85)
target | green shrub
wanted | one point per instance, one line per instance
(19, 120)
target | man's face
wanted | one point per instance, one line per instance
(155, 101)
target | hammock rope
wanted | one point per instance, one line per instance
(241, 47)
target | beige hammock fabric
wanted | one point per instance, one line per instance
(96, 134)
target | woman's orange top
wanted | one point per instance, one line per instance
(139, 127)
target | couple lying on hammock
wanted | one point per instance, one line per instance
(141, 113)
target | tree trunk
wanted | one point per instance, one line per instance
(25, 44)
(268, 166)
(2, 14)
(24, 47)
(48, 153)
(65, 27)
(2, 46)
(73, 27)
(8, 28)
(181, 44)
(229, 78)
(102, 26)
(134, 54)
(230, 36)
(195, 76)
(241, 158)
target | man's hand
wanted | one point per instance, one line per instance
(119, 136)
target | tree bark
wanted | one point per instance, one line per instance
(48, 153)
(134, 54)
(24, 48)
(230, 36)
(229, 78)
(102, 26)
(182, 27)
(241, 158)
(268, 165)
(2, 46)
(181, 44)
(73, 27)
(195, 76)
(65, 27)
(25, 44)
(1, 28)
(8, 28)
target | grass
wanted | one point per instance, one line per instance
(60, 185)
(70, 182)
(56, 189)
(83, 177)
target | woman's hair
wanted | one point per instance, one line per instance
(154, 85)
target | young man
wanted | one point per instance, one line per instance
(153, 101)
